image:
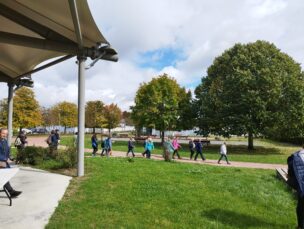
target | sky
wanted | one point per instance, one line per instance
(177, 37)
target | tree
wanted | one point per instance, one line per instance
(65, 114)
(94, 114)
(26, 109)
(251, 89)
(47, 118)
(161, 104)
(3, 112)
(112, 115)
(126, 115)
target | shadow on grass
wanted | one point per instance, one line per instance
(238, 220)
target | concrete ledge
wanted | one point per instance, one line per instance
(41, 192)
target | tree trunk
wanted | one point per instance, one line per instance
(93, 130)
(64, 129)
(250, 141)
(162, 133)
(109, 132)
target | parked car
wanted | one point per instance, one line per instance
(27, 131)
(40, 131)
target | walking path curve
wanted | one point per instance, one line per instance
(40, 141)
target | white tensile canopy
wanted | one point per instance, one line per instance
(33, 31)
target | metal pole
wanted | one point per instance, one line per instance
(81, 114)
(10, 112)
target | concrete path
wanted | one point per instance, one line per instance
(41, 192)
(207, 162)
(40, 141)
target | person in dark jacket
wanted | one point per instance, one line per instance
(296, 181)
(5, 157)
(199, 150)
(191, 148)
(94, 142)
(131, 147)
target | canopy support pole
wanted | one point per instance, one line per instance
(81, 115)
(81, 89)
(10, 112)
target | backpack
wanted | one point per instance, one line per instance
(49, 140)
(18, 142)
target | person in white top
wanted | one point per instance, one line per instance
(223, 153)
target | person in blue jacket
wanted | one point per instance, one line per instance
(296, 181)
(131, 147)
(108, 146)
(5, 157)
(199, 150)
(94, 142)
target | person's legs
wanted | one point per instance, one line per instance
(226, 159)
(174, 152)
(221, 157)
(148, 154)
(196, 155)
(132, 152)
(178, 156)
(300, 211)
(8, 187)
(13, 193)
(202, 156)
(191, 153)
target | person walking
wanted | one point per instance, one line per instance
(223, 153)
(55, 140)
(108, 146)
(168, 149)
(145, 151)
(296, 181)
(94, 142)
(199, 150)
(5, 157)
(75, 139)
(149, 147)
(176, 147)
(131, 147)
(191, 148)
(20, 143)
(49, 141)
(103, 146)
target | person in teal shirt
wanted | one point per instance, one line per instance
(168, 149)
(149, 147)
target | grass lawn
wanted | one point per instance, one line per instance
(117, 193)
(266, 152)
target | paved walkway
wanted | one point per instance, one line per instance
(207, 162)
(40, 141)
(41, 192)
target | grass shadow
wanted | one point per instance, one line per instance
(238, 220)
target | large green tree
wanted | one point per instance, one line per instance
(65, 114)
(162, 104)
(26, 109)
(94, 114)
(251, 89)
(113, 115)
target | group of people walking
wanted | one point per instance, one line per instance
(106, 145)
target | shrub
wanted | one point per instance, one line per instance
(32, 155)
(67, 157)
